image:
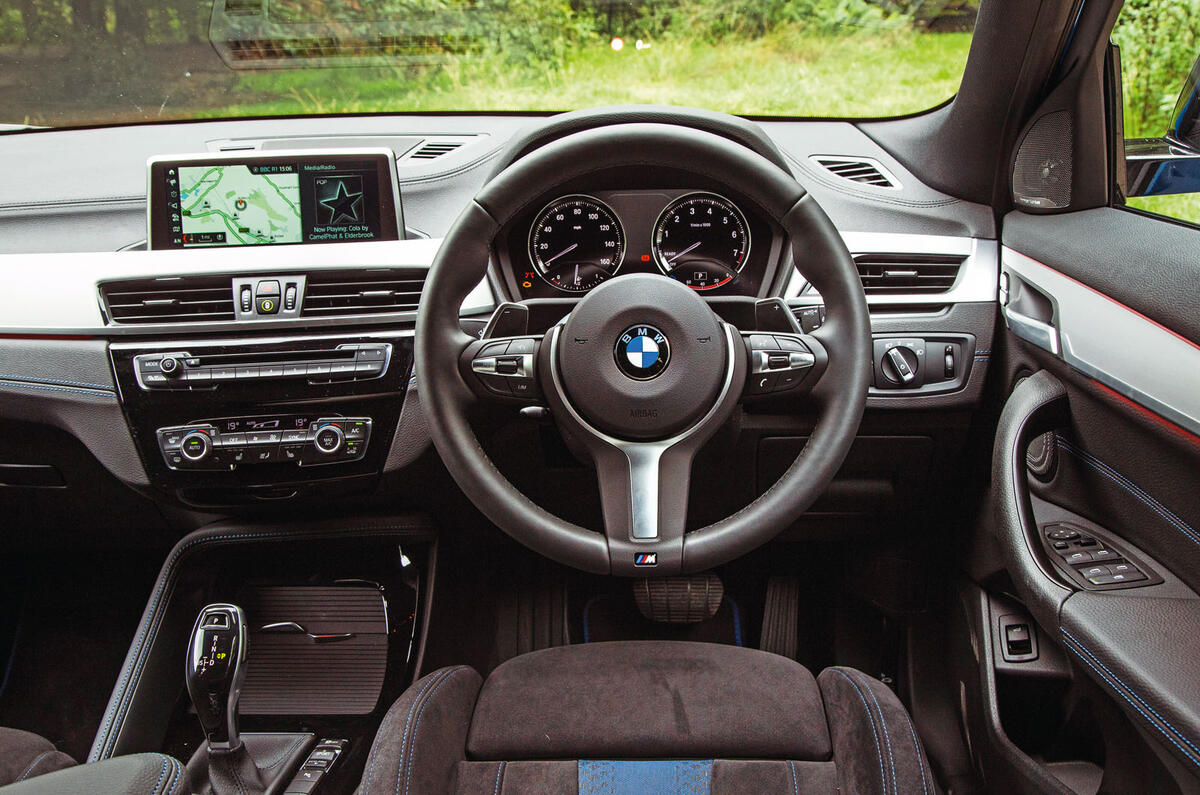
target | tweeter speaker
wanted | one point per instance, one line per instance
(1042, 171)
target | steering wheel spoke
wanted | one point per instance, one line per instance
(644, 488)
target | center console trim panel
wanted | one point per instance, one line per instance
(118, 734)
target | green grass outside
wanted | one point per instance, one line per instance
(785, 73)
(1184, 206)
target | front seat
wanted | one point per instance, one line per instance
(639, 717)
(24, 755)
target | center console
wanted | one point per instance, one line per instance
(222, 423)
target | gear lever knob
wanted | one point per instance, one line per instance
(215, 671)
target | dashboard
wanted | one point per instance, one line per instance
(222, 378)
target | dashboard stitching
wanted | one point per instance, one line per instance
(442, 176)
(106, 393)
(4, 377)
(167, 586)
(865, 195)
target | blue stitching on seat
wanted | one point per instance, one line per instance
(499, 774)
(1131, 487)
(1085, 651)
(176, 769)
(24, 379)
(70, 390)
(417, 725)
(795, 784)
(920, 756)
(870, 720)
(34, 763)
(886, 736)
(165, 767)
(390, 718)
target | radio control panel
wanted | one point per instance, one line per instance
(235, 442)
(180, 370)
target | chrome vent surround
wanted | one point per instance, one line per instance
(863, 170)
(177, 299)
(371, 291)
(908, 274)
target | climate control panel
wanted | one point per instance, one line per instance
(234, 442)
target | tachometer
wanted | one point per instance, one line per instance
(576, 242)
(702, 240)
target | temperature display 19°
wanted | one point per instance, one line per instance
(576, 243)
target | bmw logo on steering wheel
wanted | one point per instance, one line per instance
(642, 352)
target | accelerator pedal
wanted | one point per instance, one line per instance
(679, 600)
(781, 617)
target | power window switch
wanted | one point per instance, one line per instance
(1104, 555)
(1077, 558)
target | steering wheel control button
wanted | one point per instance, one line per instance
(506, 367)
(642, 352)
(785, 359)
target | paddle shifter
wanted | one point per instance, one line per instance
(215, 670)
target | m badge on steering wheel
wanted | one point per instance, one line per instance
(642, 352)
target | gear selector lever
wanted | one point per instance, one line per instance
(215, 671)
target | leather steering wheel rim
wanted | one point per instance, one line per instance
(817, 247)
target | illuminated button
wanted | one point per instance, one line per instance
(195, 446)
(328, 439)
(268, 305)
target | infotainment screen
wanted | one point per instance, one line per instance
(241, 199)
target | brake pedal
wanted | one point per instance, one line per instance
(679, 600)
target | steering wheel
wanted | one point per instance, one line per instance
(642, 372)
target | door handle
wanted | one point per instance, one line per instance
(1034, 331)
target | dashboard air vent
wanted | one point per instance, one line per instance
(907, 274)
(863, 170)
(433, 149)
(186, 299)
(362, 292)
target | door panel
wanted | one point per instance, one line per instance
(1104, 306)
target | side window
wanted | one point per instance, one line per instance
(1159, 42)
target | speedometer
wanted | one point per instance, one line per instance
(576, 242)
(702, 240)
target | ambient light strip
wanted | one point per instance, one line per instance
(1117, 346)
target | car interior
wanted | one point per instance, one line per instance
(610, 448)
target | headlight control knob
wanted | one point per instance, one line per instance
(328, 439)
(195, 446)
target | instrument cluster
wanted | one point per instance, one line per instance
(577, 241)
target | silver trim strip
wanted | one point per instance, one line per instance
(1117, 346)
(978, 278)
(57, 293)
(1032, 330)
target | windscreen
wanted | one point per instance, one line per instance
(85, 62)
